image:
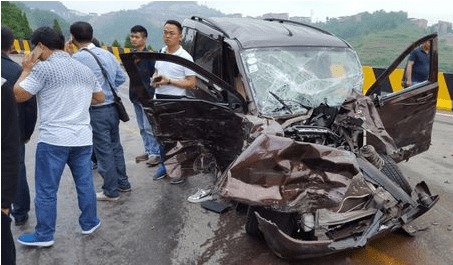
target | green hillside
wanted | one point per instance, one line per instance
(380, 48)
(381, 36)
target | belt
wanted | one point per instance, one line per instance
(102, 106)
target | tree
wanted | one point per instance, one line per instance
(116, 44)
(127, 42)
(56, 26)
(16, 20)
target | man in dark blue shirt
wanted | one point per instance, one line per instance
(146, 68)
(417, 69)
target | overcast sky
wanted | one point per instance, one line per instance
(432, 10)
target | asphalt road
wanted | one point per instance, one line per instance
(155, 224)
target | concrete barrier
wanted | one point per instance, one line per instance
(393, 84)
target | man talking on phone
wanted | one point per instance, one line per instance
(64, 89)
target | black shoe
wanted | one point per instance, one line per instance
(20, 222)
(124, 189)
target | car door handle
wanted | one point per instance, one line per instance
(420, 101)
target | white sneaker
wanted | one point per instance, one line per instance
(87, 232)
(200, 196)
(100, 196)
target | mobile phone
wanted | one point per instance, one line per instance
(157, 79)
(36, 53)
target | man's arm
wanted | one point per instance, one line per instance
(28, 61)
(20, 93)
(120, 76)
(188, 82)
(410, 65)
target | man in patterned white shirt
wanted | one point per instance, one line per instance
(64, 89)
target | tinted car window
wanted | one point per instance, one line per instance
(188, 39)
(207, 53)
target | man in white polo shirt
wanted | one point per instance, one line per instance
(172, 80)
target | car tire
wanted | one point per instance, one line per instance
(286, 222)
(391, 170)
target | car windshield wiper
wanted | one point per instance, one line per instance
(281, 101)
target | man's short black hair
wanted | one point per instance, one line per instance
(7, 38)
(176, 23)
(139, 28)
(51, 38)
(81, 31)
(96, 42)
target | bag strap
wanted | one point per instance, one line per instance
(104, 72)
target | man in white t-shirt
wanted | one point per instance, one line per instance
(172, 80)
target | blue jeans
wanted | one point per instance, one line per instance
(50, 163)
(149, 141)
(108, 149)
(21, 204)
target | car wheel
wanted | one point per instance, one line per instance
(286, 222)
(391, 170)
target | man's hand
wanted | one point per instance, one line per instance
(30, 59)
(69, 47)
(5, 211)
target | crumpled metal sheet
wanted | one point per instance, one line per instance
(287, 247)
(358, 106)
(288, 175)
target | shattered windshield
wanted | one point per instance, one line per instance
(291, 79)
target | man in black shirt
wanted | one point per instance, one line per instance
(27, 113)
(146, 68)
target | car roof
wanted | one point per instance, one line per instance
(251, 32)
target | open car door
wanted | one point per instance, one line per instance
(408, 115)
(210, 118)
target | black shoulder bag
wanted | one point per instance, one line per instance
(122, 113)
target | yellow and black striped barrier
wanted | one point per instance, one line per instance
(393, 84)
(24, 47)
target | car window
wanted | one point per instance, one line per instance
(301, 76)
(207, 53)
(188, 39)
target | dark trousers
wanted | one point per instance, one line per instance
(8, 248)
(21, 204)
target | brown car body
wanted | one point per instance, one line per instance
(317, 178)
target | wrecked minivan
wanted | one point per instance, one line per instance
(278, 114)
